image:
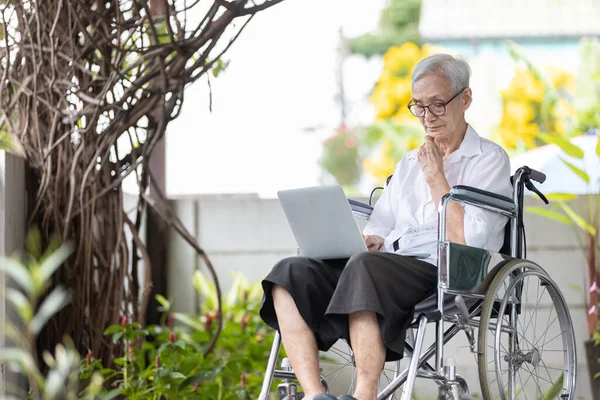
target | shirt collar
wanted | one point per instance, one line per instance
(470, 146)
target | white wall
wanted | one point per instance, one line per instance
(249, 235)
(12, 233)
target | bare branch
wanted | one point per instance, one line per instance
(75, 77)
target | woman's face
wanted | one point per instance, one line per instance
(432, 89)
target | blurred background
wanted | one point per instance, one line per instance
(315, 97)
(315, 93)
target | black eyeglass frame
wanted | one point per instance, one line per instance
(433, 104)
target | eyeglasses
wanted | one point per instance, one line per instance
(437, 109)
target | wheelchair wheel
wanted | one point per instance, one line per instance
(339, 371)
(526, 345)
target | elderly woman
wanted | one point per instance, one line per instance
(369, 299)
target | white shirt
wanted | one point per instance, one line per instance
(405, 210)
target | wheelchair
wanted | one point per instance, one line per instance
(513, 314)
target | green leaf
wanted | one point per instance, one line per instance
(20, 357)
(33, 243)
(578, 219)
(109, 395)
(50, 306)
(15, 334)
(598, 147)
(20, 303)
(18, 272)
(206, 289)
(220, 67)
(190, 380)
(579, 172)
(113, 329)
(117, 336)
(556, 389)
(566, 146)
(240, 283)
(53, 262)
(189, 321)
(549, 214)
(166, 304)
(574, 287)
(177, 375)
(561, 196)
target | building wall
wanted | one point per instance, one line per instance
(12, 233)
(249, 235)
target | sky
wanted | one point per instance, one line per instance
(275, 103)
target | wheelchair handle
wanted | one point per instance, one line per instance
(528, 175)
(538, 176)
(533, 174)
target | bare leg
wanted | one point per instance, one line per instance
(369, 353)
(299, 342)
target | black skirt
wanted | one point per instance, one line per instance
(327, 291)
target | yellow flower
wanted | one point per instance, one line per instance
(559, 127)
(381, 165)
(393, 90)
(522, 120)
(518, 112)
(412, 143)
(561, 79)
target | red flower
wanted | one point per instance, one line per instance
(124, 321)
(172, 337)
(350, 142)
(244, 322)
(208, 321)
(196, 386)
(157, 362)
(170, 320)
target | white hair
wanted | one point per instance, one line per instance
(455, 69)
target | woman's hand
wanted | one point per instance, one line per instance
(431, 160)
(373, 242)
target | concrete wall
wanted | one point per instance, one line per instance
(12, 234)
(249, 235)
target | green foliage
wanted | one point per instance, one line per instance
(167, 361)
(555, 390)
(34, 306)
(399, 23)
(4, 141)
(156, 362)
(587, 223)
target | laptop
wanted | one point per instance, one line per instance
(322, 222)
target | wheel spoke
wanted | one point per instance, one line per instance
(532, 341)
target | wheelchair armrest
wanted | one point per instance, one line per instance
(360, 209)
(482, 198)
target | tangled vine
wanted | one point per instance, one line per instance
(88, 88)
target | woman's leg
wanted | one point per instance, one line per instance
(373, 305)
(297, 293)
(369, 353)
(299, 342)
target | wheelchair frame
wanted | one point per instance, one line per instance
(419, 365)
